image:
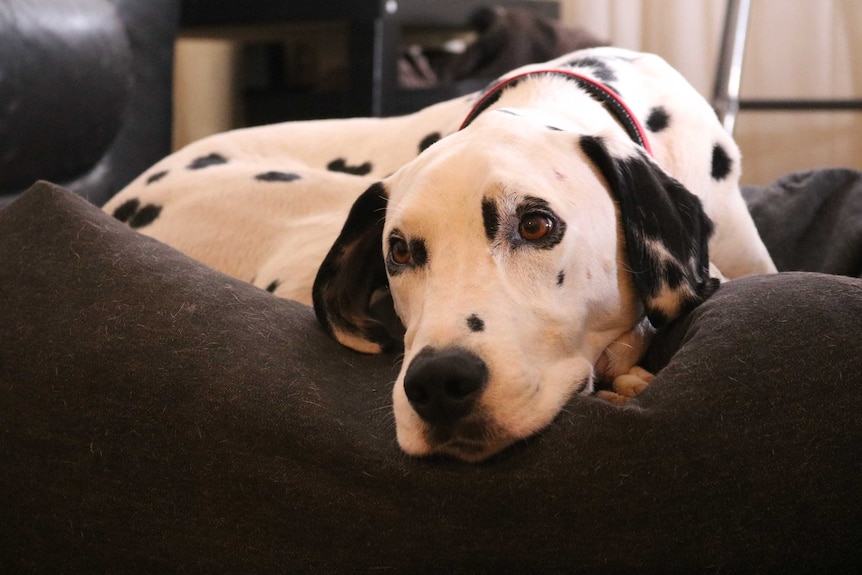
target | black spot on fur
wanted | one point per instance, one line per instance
(273, 286)
(277, 177)
(207, 161)
(672, 273)
(599, 68)
(658, 119)
(475, 323)
(157, 176)
(561, 278)
(340, 165)
(418, 252)
(428, 141)
(490, 218)
(127, 209)
(508, 111)
(145, 216)
(554, 128)
(721, 163)
(135, 215)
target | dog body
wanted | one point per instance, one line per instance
(523, 254)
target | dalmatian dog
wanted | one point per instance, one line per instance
(521, 244)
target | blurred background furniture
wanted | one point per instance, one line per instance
(726, 92)
(375, 31)
(85, 92)
(86, 86)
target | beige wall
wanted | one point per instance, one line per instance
(204, 87)
(795, 48)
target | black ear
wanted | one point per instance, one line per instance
(351, 283)
(666, 232)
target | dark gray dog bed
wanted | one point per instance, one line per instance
(157, 416)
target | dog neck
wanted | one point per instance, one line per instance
(598, 91)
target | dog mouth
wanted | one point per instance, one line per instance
(472, 439)
(465, 447)
(466, 450)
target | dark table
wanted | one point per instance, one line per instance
(374, 34)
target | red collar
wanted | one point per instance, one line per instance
(605, 95)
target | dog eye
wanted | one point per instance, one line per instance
(535, 226)
(399, 251)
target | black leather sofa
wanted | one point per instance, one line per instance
(85, 92)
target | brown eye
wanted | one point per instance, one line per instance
(399, 251)
(535, 226)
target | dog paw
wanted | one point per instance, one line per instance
(612, 397)
(627, 385)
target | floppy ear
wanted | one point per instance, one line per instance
(351, 287)
(666, 232)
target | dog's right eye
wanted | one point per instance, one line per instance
(399, 251)
(534, 226)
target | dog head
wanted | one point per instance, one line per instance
(515, 254)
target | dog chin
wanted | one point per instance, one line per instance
(468, 441)
(472, 439)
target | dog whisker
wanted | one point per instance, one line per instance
(622, 343)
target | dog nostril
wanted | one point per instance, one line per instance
(443, 386)
(417, 395)
(458, 388)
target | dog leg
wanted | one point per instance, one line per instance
(617, 364)
(625, 351)
(736, 247)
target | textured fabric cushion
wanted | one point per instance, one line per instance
(157, 416)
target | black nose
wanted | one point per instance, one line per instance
(443, 385)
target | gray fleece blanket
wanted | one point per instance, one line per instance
(812, 220)
(157, 416)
